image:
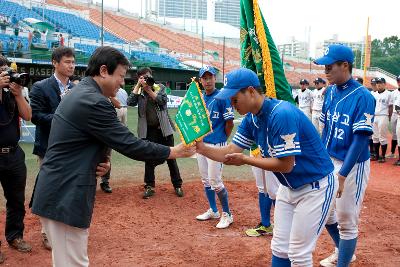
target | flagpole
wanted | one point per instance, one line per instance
(365, 55)
(223, 58)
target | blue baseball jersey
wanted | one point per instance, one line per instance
(348, 109)
(280, 130)
(220, 112)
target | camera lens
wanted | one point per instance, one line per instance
(18, 78)
(149, 80)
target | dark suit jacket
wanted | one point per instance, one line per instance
(45, 97)
(84, 126)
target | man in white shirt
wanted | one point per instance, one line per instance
(396, 109)
(383, 111)
(305, 98)
(121, 106)
(317, 102)
(395, 98)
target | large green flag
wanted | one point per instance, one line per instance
(259, 53)
(192, 118)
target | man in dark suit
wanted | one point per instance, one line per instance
(84, 126)
(45, 97)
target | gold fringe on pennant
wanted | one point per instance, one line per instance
(208, 118)
(265, 53)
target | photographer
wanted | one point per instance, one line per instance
(12, 158)
(154, 124)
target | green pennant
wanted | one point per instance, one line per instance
(192, 118)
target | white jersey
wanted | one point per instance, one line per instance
(382, 103)
(318, 99)
(305, 98)
(395, 98)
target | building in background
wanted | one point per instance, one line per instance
(294, 48)
(358, 48)
(320, 48)
(225, 11)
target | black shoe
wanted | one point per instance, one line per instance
(374, 157)
(148, 192)
(20, 245)
(106, 187)
(381, 160)
(397, 163)
(179, 191)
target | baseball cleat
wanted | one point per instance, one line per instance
(225, 220)
(331, 261)
(209, 214)
(260, 230)
(381, 160)
(391, 156)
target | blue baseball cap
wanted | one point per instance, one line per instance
(335, 53)
(236, 80)
(205, 69)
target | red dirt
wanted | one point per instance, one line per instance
(162, 231)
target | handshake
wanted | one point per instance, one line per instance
(229, 155)
(182, 151)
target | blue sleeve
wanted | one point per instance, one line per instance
(284, 132)
(244, 137)
(360, 141)
(364, 115)
(227, 110)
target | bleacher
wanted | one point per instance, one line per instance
(4, 38)
(162, 59)
(21, 12)
(76, 25)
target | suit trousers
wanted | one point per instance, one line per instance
(13, 181)
(69, 244)
(155, 135)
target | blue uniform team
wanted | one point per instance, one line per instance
(221, 117)
(348, 116)
(322, 182)
(292, 149)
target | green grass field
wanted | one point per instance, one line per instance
(125, 169)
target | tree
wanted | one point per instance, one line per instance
(385, 54)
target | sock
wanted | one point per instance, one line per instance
(223, 198)
(280, 262)
(384, 148)
(265, 203)
(376, 149)
(211, 198)
(346, 251)
(393, 147)
(371, 147)
(333, 232)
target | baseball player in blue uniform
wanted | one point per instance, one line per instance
(292, 149)
(221, 116)
(347, 114)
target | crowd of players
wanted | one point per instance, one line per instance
(386, 125)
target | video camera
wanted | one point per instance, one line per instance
(18, 78)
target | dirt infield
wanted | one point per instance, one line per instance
(162, 231)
